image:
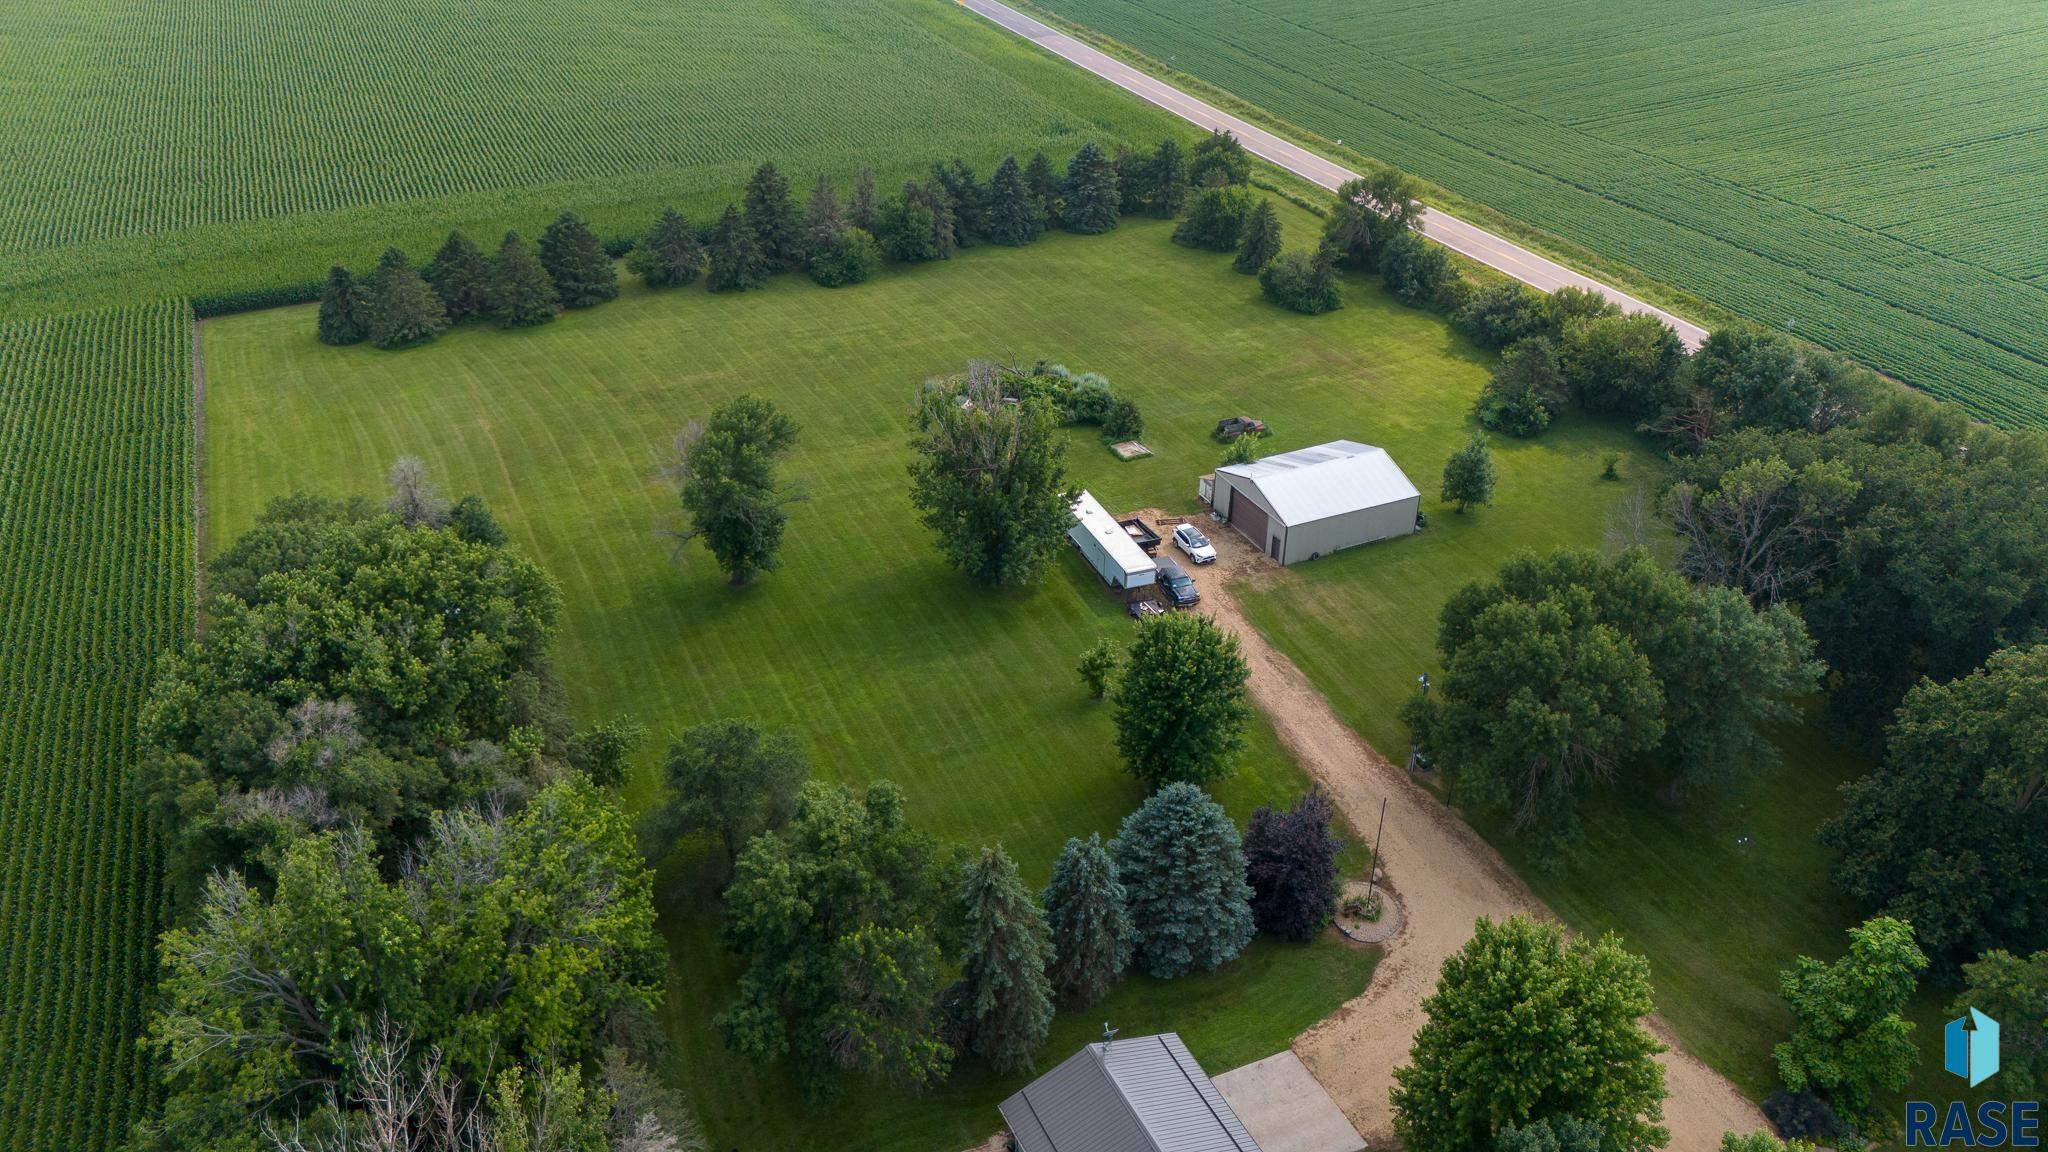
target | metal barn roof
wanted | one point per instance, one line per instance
(1145, 1094)
(1326, 480)
(1091, 520)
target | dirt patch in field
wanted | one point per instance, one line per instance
(1447, 877)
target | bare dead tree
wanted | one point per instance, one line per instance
(414, 498)
(1630, 523)
(1764, 530)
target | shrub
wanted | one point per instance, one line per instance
(1124, 421)
(1303, 283)
(852, 257)
(1216, 220)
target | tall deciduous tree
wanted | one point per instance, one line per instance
(1370, 211)
(1625, 364)
(576, 262)
(403, 309)
(725, 475)
(728, 778)
(509, 940)
(1527, 390)
(1291, 864)
(1091, 929)
(600, 751)
(1004, 990)
(2012, 990)
(907, 230)
(842, 919)
(1088, 195)
(1417, 272)
(1181, 704)
(1849, 1033)
(1468, 474)
(736, 261)
(1181, 863)
(1259, 243)
(1525, 1027)
(1947, 832)
(771, 213)
(1217, 219)
(1303, 282)
(521, 293)
(344, 309)
(1220, 160)
(1015, 215)
(461, 276)
(1166, 180)
(990, 478)
(669, 256)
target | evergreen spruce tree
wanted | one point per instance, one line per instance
(1091, 931)
(576, 262)
(933, 197)
(1166, 180)
(403, 310)
(970, 201)
(521, 293)
(461, 276)
(823, 221)
(1044, 184)
(1015, 215)
(669, 256)
(1260, 242)
(1132, 183)
(736, 260)
(771, 213)
(344, 309)
(1007, 997)
(1181, 863)
(1089, 196)
(860, 211)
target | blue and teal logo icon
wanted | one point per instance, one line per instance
(1970, 1047)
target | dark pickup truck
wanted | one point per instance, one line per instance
(1231, 427)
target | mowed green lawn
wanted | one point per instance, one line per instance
(884, 662)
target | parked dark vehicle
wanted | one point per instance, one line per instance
(1231, 427)
(1177, 586)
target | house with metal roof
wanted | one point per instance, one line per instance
(1301, 505)
(1144, 1094)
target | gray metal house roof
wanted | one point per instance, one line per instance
(1145, 1094)
(1326, 480)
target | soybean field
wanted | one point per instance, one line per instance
(95, 580)
(1870, 171)
(153, 149)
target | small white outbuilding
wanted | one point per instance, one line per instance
(1108, 548)
(1300, 505)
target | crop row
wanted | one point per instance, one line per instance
(95, 581)
(1864, 179)
(218, 112)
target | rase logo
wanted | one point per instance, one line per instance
(1970, 1047)
(1969, 1052)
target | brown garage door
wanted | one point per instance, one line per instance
(1248, 518)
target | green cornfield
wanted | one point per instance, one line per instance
(152, 149)
(95, 580)
(1871, 171)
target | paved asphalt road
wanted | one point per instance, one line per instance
(1453, 233)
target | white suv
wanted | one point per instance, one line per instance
(1190, 540)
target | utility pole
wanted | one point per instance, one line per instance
(1372, 881)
